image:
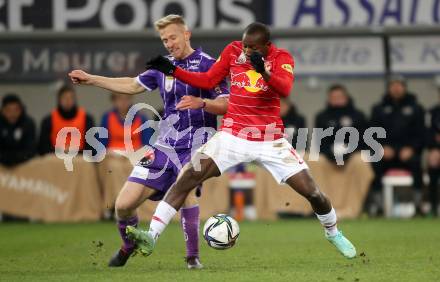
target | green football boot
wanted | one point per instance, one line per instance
(341, 243)
(144, 241)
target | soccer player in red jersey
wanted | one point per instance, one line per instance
(252, 130)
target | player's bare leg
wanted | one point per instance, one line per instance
(189, 178)
(303, 183)
(131, 196)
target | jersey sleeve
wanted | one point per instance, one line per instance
(221, 89)
(211, 78)
(148, 79)
(281, 77)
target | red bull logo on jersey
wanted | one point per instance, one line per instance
(250, 80)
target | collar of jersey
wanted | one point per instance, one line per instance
(190, 57)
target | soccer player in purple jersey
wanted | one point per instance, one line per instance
(191, 108)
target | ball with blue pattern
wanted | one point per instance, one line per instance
(221, 231)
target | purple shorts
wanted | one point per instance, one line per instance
(159, 168)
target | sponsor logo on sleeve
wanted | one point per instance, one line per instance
(287, 67)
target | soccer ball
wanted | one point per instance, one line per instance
(221, 231)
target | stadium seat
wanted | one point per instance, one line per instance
(393, 178)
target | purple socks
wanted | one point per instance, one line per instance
(128, 245)
(190, 225)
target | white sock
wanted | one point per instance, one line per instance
(162, 216)
(329, 222)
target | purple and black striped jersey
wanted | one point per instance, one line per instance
(180, 129)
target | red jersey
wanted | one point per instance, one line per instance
(254, 104)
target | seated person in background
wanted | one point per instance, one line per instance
(403, 119)
(350, 179)
(66, 114)
(434, 158)
(292, 121)
(114, 119)
(115, 168)
(339, 112)
(17, 132)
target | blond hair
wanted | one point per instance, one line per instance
(170, 19)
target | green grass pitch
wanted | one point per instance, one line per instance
(291, 250)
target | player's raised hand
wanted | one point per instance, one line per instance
(257, 62)
(80, 77)
(190, 102)
(161, 64)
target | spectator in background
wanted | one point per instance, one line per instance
(434, 158)
(339, 112)
(17, 132)
(116, 167)
(114, 119)
(292, 120)
(403, 119)
(66, 114)
(351, 179)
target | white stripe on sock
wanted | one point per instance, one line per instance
(162, 216)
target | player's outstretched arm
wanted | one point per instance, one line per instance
(217, 106)
(125, 85)
(204, 80)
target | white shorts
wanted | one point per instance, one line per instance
(279, 157)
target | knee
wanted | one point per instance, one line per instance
(123, 208)
(315, 196)
(191, 175)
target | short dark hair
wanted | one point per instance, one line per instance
(260, 29)
(334, 87)
(11, 98)
(396, 78)
(65, 88)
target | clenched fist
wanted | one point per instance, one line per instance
(80, 77)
